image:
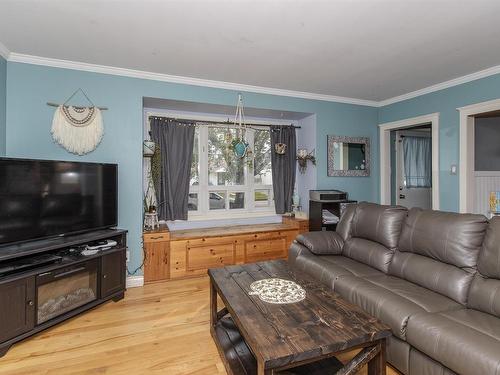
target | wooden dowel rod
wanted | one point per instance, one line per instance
(57, 105)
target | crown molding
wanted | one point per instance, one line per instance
(4, 51)
(443, 85)
(104, 69)
(67, 64)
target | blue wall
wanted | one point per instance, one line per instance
(29, 87)
(446, 103)
(3, 95)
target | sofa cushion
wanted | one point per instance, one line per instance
(445, 236)
(345, 223)
(466, 341)
(489, 256)
(323, 242)
(327, 268)
(368, 252)
(378, 223)
(391, 299)
(421, 364)
(484, 295)
(437, 276)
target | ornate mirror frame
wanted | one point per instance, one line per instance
(332, 172)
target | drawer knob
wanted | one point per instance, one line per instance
(104, 276)
(30, 303)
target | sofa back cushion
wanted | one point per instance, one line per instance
(374, 234)
(489, 256)
(345, 223)
(484, 294)
(378, 223)
(368, 252)
(439, 251)
(446, 236)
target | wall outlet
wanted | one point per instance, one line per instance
(128, 255)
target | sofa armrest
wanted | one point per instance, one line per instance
(322, 243)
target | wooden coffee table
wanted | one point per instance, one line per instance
(254, 337)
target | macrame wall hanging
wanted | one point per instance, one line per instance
(79, 129)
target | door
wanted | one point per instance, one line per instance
(112, 273)
(410, 196)
(17, 307)
(157, 261)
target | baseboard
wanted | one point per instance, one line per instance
(135, 281)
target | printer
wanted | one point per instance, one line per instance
(328, 195)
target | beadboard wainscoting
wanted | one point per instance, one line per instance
(485, 182)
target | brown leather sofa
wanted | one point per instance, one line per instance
(432, 276)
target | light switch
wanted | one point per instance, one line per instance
(453, 169)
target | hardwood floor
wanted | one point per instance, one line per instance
(161, 328)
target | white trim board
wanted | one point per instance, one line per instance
(4, 51)
(75, 65)
(443, 85)
(134, 281)
(385, 156)
(67, 64)
(466, 168)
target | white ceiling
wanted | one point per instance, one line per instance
(366, 49)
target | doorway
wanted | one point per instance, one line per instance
(477, 178)
(412, 173)
(388, 174)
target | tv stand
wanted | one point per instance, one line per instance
(53, 281)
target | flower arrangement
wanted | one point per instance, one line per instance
(302, 157)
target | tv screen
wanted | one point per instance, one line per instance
(41, 198)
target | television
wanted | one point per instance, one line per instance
(41, 198)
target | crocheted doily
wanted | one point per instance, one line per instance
(278, 291)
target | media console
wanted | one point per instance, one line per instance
(45, 282)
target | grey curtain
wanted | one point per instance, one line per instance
(283, 167)
(175, 139)
(417, 155)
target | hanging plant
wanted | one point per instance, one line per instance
(239, 144)
(240, 147)
(303, 157)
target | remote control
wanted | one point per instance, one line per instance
(100, 245)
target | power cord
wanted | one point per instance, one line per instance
(142, 264)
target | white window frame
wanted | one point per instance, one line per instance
(204, 189)
(203, 213)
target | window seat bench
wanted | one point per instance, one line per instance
(191, 252)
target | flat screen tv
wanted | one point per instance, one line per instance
(41, 198)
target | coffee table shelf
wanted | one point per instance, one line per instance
(241, 361)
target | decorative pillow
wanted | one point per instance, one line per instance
(322, 243)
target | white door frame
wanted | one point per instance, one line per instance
(385, 155)
(466, 177)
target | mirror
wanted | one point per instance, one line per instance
(348, 156)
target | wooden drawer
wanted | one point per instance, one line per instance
(270, 235)
(260, 250)
(201, 258)
(156, 237)
(213, 241)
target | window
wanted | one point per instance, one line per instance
(223, 184)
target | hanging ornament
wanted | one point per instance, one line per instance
(239, 144)
(78, 129)
(280, 147)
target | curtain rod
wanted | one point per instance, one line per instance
(225, 123)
